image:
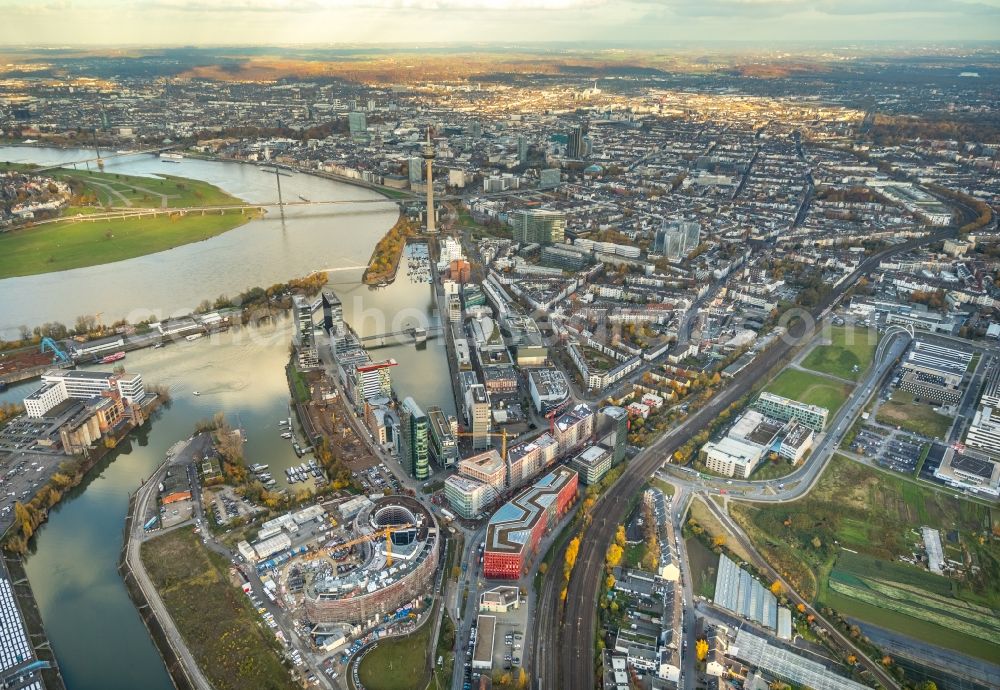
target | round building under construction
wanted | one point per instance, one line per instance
(389, 560)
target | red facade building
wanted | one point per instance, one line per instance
(515, 530)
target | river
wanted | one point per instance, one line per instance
(97, 635)
(260, 253)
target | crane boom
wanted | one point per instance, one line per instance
(386, 532)
(501, 434)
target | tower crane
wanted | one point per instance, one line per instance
(502, 435)
(386, 532)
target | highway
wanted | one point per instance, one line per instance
(797, 484)
(576, 669)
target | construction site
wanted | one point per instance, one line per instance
(31, 362)
(380, 559)
(324, 415)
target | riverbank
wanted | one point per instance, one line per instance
(80, 239)
(83, 242)
(31, 620)
(267, 250)
(181, 676)
(256, 305)
(29, 516)
(385, 258)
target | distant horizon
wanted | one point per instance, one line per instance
(732, 45)
(619, 23)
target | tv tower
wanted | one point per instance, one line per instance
(428, 153)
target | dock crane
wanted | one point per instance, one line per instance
(502, 435)
(58, 355)
(386, 533)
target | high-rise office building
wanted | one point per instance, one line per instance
(416, 172)
(479, 414)
(612, 431)
(522, 149)
(333, 312)
(677, 239)
(692, 234)
(413, 436)
(357, 123)
(443, 440)
(539, 226)
(305, 331)
(575, 146)
(549, 178)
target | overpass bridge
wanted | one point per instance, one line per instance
(417, 334)
(123, 212)
(406, 196)
(102, 159)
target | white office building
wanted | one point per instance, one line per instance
(468, 497)
(60, 385)
(732, 457)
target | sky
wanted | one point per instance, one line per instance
(284, 22)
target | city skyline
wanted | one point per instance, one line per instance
(551, 343)
(420, 22)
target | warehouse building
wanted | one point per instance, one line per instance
(968, 470)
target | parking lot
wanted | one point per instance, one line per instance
(508, 645)
(21, 476)
(901, 454)
(226, 505)
(893, 450)
(868, 442)
(376, 479)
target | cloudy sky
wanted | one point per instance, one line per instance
(256, 22)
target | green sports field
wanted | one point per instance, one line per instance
(811, 389)
(847, 356)
(399, 663)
